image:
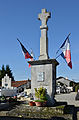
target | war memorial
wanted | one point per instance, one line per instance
(43, 71)
(43, 74)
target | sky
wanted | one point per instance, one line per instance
(19, 19)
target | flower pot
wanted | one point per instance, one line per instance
(31, 103)
(39, 104)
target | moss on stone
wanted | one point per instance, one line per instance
(36, 112)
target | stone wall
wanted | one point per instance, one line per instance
(27, 111)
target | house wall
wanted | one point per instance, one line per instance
(24, 87)
(64, 81)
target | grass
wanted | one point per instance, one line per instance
(60, 107)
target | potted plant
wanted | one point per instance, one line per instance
(32, 103)
(40, 94)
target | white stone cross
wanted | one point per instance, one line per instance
(43, 39)
(44, 17)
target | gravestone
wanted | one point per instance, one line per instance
(7, 89)
(43, 71)
(6, 82)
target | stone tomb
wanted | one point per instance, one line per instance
(43, 71)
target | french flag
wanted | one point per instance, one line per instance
(31, 58)
(66, 54)
(25, 52)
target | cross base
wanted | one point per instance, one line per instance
(42, 57)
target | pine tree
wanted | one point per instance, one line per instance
(4, 71)
(9, 72)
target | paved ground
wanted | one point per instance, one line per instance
(69, 98)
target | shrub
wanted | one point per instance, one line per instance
(76, 88)
(40, 93)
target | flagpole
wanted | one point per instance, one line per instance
(26, 44)
(57, 56)
(68, 36)
(65, 40)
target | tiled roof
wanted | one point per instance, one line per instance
(19, 83)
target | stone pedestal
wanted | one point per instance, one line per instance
(43, 71)
(43, 74)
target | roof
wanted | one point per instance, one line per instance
(19, 83)
(59, 78)
(64, 78)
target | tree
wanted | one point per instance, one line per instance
(77, 88)
(2, 72)
(7, 71)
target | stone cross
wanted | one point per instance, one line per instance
(44, 17)
(43, 39)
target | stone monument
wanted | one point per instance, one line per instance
(43, 71)
(43, 40)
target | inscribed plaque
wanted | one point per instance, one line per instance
(41, 76)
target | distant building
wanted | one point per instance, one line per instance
(21, 85)
(64, 81)
(10, 88)
(64, 85)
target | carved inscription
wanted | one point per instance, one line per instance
(41, 76)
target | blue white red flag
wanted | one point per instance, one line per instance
(31, 58)
(66, 54)
(26, 53)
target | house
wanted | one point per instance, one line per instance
(11, 88)
(64, 85)
(64, 81)
(21, 85)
